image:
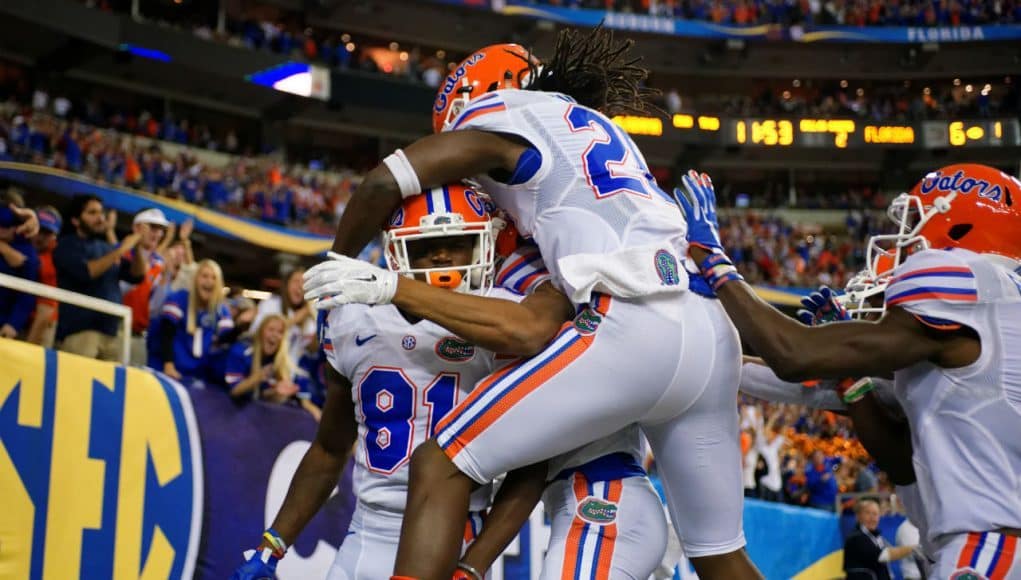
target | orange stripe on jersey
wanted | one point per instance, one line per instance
(540, 375)
(1006, 561)
(575, 536)
(480, 112)
(601, 303)
(475, 394)
(968, 552)
(948, 326)
(608, 534)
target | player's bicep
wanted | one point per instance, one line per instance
(450, 157)
(337, 427)
(549, 305)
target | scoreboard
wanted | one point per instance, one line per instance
(827, 133)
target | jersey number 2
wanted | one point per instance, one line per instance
(389, 406)
(611, 162)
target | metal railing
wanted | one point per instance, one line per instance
(79, 300)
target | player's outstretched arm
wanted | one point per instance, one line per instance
(324, 461)
(503, 326)
(429, 162)
(518, 496)
(794, 351)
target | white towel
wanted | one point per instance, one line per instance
(626, 273)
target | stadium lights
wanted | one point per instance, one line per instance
(684, 121)
(706, 123)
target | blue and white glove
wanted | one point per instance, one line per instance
(697, 200)
(822, 307)
(259, 565)
(341, 280)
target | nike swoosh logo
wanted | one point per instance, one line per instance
(360, 341)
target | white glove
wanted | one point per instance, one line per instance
(342, 280)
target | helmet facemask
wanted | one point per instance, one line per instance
(477, 275)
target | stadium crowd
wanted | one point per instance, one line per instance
(832, 12)
(185, 326)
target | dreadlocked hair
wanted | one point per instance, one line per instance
(596, 71)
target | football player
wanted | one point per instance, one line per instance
(949, 336)
(642, 349)
(405, 375)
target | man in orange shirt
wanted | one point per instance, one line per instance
(44, 324)
(151, 225)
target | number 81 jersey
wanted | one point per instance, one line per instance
(405, 377)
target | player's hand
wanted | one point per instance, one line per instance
(822, 307)
(342, 280)
(698, 202)
(7, 331)
(259, 565)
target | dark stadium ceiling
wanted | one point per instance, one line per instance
(464, 29)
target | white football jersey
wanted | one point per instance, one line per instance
(965, 422)
(585, 195)
(405, 377)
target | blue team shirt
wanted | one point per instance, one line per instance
(239, 366)
(17, 307)
(210, 326)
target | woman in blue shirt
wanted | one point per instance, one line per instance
(263, 369)
(186, 339)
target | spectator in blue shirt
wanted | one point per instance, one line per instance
(188, 338)
(821, 482)
(17, 258)
(89, 261)
(263, 369)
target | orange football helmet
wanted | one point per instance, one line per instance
(969, 206)
(500, 66)
(451, 210)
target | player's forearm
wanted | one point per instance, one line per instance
(493, 324)
(887, 440)
(371, 205)
(758, 380)
(316, 477)
(518, 496)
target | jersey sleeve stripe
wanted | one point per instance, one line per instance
(476, 112)
(951, 272)
(530, 281)
(934, 292)
(173, 311)
(515, 266)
